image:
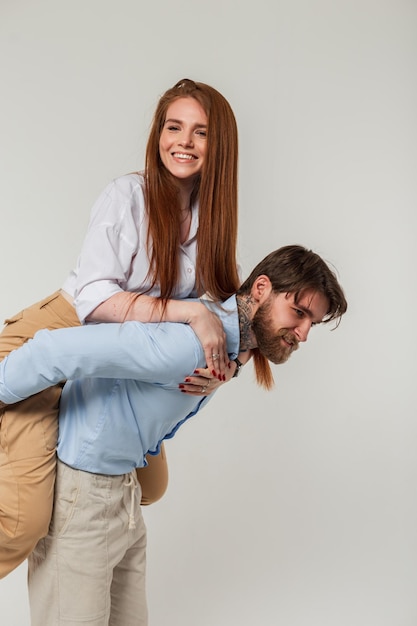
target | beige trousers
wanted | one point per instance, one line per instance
(28, 436)
(90, 568)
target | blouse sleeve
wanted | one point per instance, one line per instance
(113, 240)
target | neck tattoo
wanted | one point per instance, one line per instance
(244, 309)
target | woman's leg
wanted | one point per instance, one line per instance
(153, 478)
(28, 435)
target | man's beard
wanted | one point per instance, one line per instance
(272, 346)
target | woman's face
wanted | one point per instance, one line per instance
(183, 140)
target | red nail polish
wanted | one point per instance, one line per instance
(224, 377)
(186, 380)
(214, 372)
(181, 386)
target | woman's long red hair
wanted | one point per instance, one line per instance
(216, 192)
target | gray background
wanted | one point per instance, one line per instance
(295, 507)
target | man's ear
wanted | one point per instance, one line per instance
(261, 289)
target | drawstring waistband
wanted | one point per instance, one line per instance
(132, 484)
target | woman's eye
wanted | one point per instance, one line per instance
(171, 127)
(202, 133)
(299, 312)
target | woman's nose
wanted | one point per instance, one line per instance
(186, 139)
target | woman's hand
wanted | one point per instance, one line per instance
(209, 330)
(203, 383)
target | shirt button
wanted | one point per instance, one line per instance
(189, 270)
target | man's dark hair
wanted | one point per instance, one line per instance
(293, 269)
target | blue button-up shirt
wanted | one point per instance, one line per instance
(121, 398)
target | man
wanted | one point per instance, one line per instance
(121, 400)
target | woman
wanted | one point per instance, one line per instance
(154, 238)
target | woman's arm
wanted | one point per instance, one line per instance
(127, 306)
(114, 250)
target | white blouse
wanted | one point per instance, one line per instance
(114, 255)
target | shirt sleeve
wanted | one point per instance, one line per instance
(111, 243)
(151, 353)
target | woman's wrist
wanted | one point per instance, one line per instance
(183, 312)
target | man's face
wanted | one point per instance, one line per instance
(280, 324)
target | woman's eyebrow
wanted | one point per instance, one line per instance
(174, 121)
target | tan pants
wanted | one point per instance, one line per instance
(28, 436)
(90, 569)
